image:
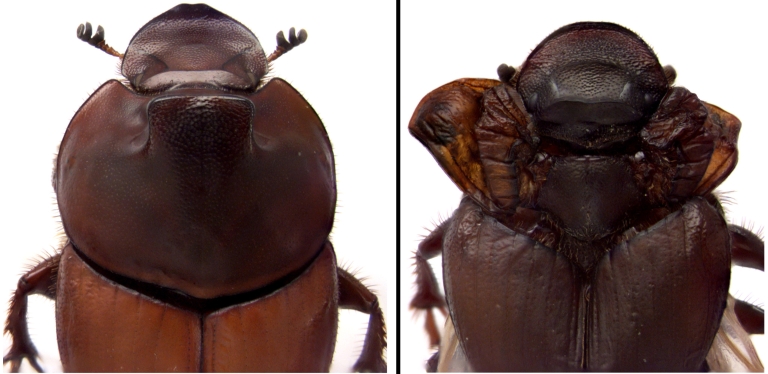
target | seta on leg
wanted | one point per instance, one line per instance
(428, 295)
(748, 250)
(40, 280)
(354, 295)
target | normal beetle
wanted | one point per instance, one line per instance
(545, 169)
(325, 167)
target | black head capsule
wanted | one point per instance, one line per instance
(194, 45)
(592, 84)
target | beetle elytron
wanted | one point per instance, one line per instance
(588, 237)
(197, 199)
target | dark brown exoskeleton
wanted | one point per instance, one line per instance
(588, 237)
(197, 200)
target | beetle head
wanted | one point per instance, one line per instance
(592, 84)
(194, 46)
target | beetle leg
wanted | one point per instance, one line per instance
(428, 295)
(284, 46)
(41, 280)
(748, 250)
(354, 295)
(751, 317)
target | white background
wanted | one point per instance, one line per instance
(717, 49)
(346, 70)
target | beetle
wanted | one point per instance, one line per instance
(199, 189)
(549, 159)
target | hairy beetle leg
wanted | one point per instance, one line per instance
(751, 317)
(428, 295)
(284, 45)
(84, 33)
(40, 280)
(748, 250)
(354, 295)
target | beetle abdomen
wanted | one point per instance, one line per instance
(103, 326)
(662, 282)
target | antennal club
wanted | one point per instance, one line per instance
(84, 34)
(284, 46)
